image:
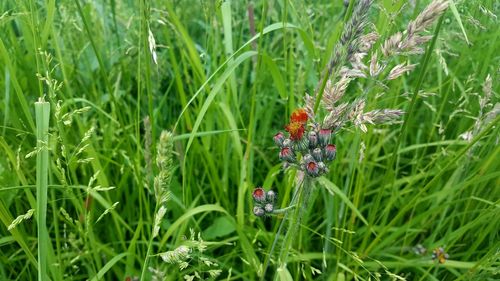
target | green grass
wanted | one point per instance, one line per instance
(224, 92)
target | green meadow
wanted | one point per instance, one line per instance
(134, 133)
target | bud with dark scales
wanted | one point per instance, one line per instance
(301, 145)
(269, 207)
(317, 154)
(308, 158)
(287, 143)
(312, 168)
(259, 195)
(258, 211)
(330, 152)
(278, 139)
(286, 154)
(323, 169)
(313, 139)
(271, 195)
(324, 136)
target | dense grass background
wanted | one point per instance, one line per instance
(224, 98)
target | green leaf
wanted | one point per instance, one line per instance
(270, 28)
(454, 10)
(108, 266)
(188, 215)
(335, 190)
(218, 85)
(284, 274)
(221, 227)
(278, 80)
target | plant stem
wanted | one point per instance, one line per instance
(42, 111)
(150, 244)
(278, 233)
(146, 259)
(284, 210)
(299, 202)
(303, 193)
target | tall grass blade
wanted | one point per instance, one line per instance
(42, 113)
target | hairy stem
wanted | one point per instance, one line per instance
(293, 218)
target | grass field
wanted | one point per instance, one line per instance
(133, 134)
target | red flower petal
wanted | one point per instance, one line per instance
(259, 194)
(299, 115)
(296, 130)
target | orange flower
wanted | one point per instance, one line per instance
(296, 130)
(299, 115)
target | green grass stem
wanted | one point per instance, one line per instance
(42, 114)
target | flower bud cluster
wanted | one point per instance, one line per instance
(263, 201)
(308, 149)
